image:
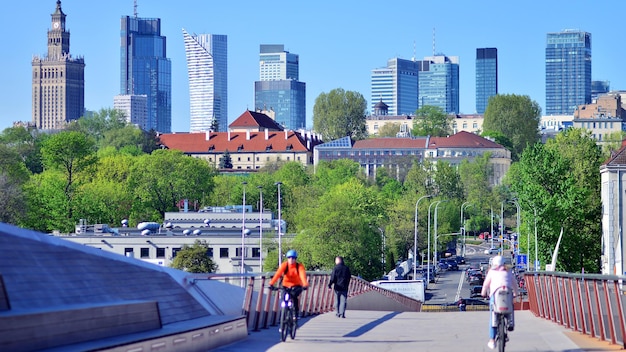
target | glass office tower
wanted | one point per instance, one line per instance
(439, 82)
(568, 71)
(396, 85)
(486, 77)
(599, 88)
(207, 68)
(145, 69)
(279, 90)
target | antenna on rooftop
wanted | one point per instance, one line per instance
(433, 41)
(135, 8)
(414, 51)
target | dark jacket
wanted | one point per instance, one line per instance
(341, 277)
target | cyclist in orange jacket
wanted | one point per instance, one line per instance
(294, 276)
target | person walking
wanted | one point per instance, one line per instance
(340, 278)
(498, 276)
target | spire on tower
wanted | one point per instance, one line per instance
(434, 41)
(135, 8)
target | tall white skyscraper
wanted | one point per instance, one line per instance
(207, 67)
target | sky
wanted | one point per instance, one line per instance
(339, 43)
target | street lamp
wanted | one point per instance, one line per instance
(463, 229)
(280, 250)
(428, 254)
(536, 259)
(260, 228)
(435, 254)
(415, 238)
(243, 227)
(519, 228)
(382, 256)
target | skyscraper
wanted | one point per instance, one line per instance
(58, 79)
(134, 107)
(279, 89)
(207, 68)
(486, 77)
(439, 82)
(396, 85)
(145, 69)
(568, 71)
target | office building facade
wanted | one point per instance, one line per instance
(568, 71)
(146, 70)
(397, 86)
(207, 68)
(279, 90)
(58, 80)
(134, 108)
(439, 83)
(486, 77)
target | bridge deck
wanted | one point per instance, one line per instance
(375, 331)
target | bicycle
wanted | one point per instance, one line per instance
(288, 316)
(502, 308)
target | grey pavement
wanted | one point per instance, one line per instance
(376, 331)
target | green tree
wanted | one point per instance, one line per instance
(561, 182)
(388, 130)
(343, 222)
(448, 181)
(475, 179)
(26, 142)
(339, 114)
(613, 142)
(195, 258)
(333, 173)
(72, 153)
(162, 179)
(420, 178)
(226, 162)
(514, 116)
(431, 121)
(13, 174)
(131, 138)
(46, 203)
(98, 123)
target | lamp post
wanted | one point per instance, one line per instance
(382, 256)
(260, 228)
(517, 207)
(536, 259)
(428, 254)
(243, 227)
(463, 229)
(415, 238)
(280, 249)
(435, 254)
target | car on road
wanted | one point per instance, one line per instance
(492, 250)
(452, 265)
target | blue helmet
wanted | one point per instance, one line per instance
(292, 253)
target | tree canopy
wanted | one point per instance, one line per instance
(431, 121)
(514, 116)
(339, 114)
(194, 259)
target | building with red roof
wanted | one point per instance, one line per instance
(398, 154)
(253, 141)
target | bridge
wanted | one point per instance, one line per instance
(57, 295)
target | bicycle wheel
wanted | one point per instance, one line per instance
(284, 324)
(294, 323)
(501, 332)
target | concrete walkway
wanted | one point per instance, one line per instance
(375, 331)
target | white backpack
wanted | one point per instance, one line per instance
(503, 300)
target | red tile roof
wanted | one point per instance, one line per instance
(218, 142)
(251, 119)
(617, 157)
(462, 139)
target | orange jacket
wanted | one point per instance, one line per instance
(293, 277)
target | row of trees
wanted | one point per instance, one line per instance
(103, 170)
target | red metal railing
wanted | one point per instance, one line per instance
(261, 306)
(590, 304)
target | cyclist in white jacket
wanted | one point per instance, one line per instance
(498, 276)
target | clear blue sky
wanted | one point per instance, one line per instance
(339, 43)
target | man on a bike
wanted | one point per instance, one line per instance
(294, 276)
(497, 277)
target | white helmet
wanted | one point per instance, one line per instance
(497, 261)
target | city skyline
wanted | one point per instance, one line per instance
(336, 50)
